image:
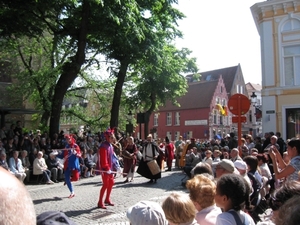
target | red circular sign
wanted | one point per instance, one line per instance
(238, 104)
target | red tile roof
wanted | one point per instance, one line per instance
(199, 95)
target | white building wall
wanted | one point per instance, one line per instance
(267, 51)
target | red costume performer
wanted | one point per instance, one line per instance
(169, 151)
(106, 165)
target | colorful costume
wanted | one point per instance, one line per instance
(71, 165)
(106, 166)
(169, 153)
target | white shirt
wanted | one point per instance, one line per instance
(226, 218)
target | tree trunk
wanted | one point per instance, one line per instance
(114, 119)
(148, 113)
(69, 72)
(45, 118)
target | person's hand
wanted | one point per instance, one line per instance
(272, 153)
(108, 172)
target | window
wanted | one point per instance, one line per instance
(215, 117)
(292, 122)
(189, 135)
(155, 120)
(241, 89)
(237, 88)
(177, 135)
(177, 118)
(223, 102)
(169, 135)
(291, 62)
(217, 100)
(221, 120)
(221, 89)
(169, 119)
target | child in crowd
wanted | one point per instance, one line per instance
(179, 209)
(232, 196)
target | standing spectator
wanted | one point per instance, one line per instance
(208, 159)
(26, 144)
(281, 143)
(244, 148)
(288, 171)
(249, 141)
(234, 155)
(232, 192)
(10, 133)
(258, 144)
(3, 132)
(267, 140)
(55, 167)
(169, 153)
(232, 142)
(18, 130)
(40, 167)
(202, 193)
(179, 209)
(16, 167)
(10, 147)
(129, 158)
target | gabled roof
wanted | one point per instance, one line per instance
(253, 87)
(228, 75)
(199, 95)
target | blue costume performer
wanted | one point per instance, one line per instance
(71, 164)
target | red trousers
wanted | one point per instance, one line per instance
(108, 183)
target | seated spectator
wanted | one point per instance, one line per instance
(200, 168)
(253, 152)
(16, 205)
(255, 177)
(208, 159)
(26, 164)
(146, 213)
(194, 158)
(288, 190)
(16, 168)
(55, 167)
(234, 155)
(88, 166)
(288, 214)
(40, 167)
(90, 163)
(179, 209)
(242, 167)
(225, 166)
(231, 195)
(53, 217)
(202, 193)
(3, 160)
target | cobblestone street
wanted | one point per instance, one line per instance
(82, 209)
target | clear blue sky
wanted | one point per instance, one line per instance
(221, 34)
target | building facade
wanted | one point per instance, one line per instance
(278, 24)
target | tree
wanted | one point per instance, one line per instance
(160, 79)
(86, 27)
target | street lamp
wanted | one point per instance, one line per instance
(130, 116)
(253, 116)
(253, 98)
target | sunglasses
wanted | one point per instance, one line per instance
(274, 203)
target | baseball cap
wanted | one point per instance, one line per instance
(147, 213)
(227, 165)
(241, 165)
(53, 218)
